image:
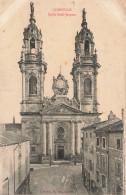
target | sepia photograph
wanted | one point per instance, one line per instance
(62, 97)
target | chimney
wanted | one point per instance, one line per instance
(123, 115)
(13, 120)
(111, 116)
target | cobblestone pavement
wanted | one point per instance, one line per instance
(57, 179)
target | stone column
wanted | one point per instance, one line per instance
(79, 89)
(78, 141)
(50, 138)
(44, 138)
(23, 84)
(73, 138)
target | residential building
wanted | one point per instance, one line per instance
(102, 170)
(109, 155)
(89, 157)
(14, 163)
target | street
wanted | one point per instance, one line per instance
(64, 178)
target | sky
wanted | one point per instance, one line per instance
(106, 19)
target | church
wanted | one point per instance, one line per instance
(54, 123)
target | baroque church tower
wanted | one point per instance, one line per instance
(33, 70)
(85, 69)
(32, 67)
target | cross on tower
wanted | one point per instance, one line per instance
(60, 69)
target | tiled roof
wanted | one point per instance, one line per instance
(114, 126)
(9, 138)
(102, 124)
(13, 127)
(90, 126)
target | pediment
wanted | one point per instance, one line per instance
(62, 109)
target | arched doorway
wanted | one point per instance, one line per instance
(60, 135)
(60, 144)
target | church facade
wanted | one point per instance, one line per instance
(54, 124)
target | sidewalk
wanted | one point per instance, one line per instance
(78, 180)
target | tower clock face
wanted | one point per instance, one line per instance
(60, 84)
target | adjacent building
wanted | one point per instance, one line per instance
(14, 163)
(54, 124)
(103, 169)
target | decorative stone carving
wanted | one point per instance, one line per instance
(60, 85)
(53, 102)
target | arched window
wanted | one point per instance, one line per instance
(86, 47)
(60, 133)
(32, 43)
(87, 86)
(32, 85)
(75, 89)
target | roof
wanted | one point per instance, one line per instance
(10, 138)
(100, 125)
(89, 127)
(113, 127)
(13, 127)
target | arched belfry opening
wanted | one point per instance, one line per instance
(87, 86)
(32, 85)
(32, 43)
(75, 90)
(86, 47)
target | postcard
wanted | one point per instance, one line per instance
(62, 97)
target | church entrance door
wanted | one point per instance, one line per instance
(61, 152)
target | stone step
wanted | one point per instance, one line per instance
(58, 162)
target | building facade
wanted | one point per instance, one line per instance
(89, 157)
(55, 123)
(107, 175)
(109, 151)
(14, 163)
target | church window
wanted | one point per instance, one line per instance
(87, 86)
(32, 43)
(86, 47)
(60, 133)
(32, 85)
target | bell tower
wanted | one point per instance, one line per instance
(85, 69)
(32, 67)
